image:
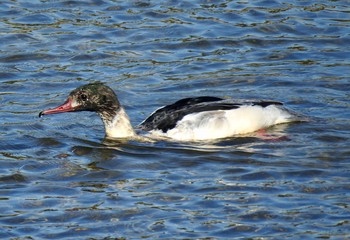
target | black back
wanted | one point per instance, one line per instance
(167, 117)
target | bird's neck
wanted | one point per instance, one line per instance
(118, 125)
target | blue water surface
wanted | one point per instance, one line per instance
(59, 177)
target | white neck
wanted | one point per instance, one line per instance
(120, 126)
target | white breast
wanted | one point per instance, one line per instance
(225, 123)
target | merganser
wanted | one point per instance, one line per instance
(189, 119)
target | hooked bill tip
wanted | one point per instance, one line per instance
(41, 114)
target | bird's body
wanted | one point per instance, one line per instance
(190, 119)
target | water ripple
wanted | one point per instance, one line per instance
(59, 177)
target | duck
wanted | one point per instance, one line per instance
(189, 119)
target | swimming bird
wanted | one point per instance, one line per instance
(189, 119)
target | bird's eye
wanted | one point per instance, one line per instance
(83, 97)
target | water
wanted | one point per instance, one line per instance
(60, 179)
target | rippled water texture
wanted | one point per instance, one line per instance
(60, 179)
